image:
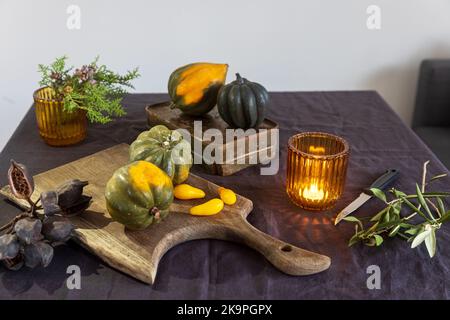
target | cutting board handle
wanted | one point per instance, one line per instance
(284, 256)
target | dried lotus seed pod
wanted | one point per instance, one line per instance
(70, 193)
(49, 200)
(28, 230)
(31, 256)
(20, 182)
(57, 229)
(38, 254)
(46, 251)
(15, 263)
(9, 246)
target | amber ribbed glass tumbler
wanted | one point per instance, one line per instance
(56, 126)
(316, 169)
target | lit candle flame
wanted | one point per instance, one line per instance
(313, 193)
(316, 150)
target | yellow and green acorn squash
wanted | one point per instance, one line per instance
(139, 194)
(193, 88)
(165, 148)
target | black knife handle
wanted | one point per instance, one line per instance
(384, 180)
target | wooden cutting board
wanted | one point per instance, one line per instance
(138, 253)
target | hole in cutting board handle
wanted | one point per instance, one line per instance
(286, 248)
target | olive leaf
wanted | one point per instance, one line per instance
(422, 201)
(379, 194)
(430, 243)
(439, 176)
(394, 231)
(420, 237)
(413, 231)
(354, 219)
(379, 215)
(414, 208)
(374, 227)
(353, 240)
(20, 182)
(445, 217)
(398, 193)
(378, 240)
(387, 216)
(441, 207)
(396, 208)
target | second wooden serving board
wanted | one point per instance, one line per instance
(264, 139)
(138, 253)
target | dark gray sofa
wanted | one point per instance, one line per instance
(431, 120)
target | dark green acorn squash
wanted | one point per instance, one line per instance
(193, 88)
(139, 194)
(165, 148)
(242, 103)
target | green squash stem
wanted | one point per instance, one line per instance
(239, 78)
(155, 212)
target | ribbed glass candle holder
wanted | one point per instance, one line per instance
(58, 127)
(316, 169)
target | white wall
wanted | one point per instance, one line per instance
(284, 44)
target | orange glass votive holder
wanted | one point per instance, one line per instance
(58, 127)
(316, 169)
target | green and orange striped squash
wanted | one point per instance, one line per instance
(138, 195)
(193, 88)
(165, 148)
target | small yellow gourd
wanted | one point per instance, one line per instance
(227, 195)
(185, 191)
(208, 208)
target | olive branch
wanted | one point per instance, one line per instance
(428, 206)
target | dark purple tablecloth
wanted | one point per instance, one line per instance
(212, 269)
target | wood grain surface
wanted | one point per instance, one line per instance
(138, 253)
(161, 113)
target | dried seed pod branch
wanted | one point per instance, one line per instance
(29, 237)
